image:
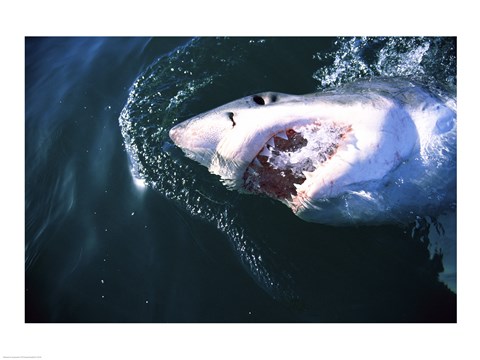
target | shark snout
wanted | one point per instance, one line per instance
(176, 133)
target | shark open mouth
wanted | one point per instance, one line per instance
(290, 156)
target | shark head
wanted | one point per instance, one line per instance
(231, 138)
(314, 152)
(204, 136)
(234, 131)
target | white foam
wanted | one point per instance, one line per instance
(321, 141)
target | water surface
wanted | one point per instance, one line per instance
(121, 227)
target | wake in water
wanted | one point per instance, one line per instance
(190, 80)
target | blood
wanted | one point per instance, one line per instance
(275, 182)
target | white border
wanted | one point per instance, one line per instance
(298, 18)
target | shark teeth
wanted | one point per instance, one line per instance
(257, 163)
(265, 152)
(283, 135)
(275, 171)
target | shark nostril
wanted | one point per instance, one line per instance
(173, 133)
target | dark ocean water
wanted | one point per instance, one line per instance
(121, 227)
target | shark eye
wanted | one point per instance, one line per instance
(259, 100)
(230, 116)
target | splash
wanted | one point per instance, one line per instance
(431, 61)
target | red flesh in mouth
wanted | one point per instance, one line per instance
(274, 182)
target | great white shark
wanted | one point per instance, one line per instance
(372, 152)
